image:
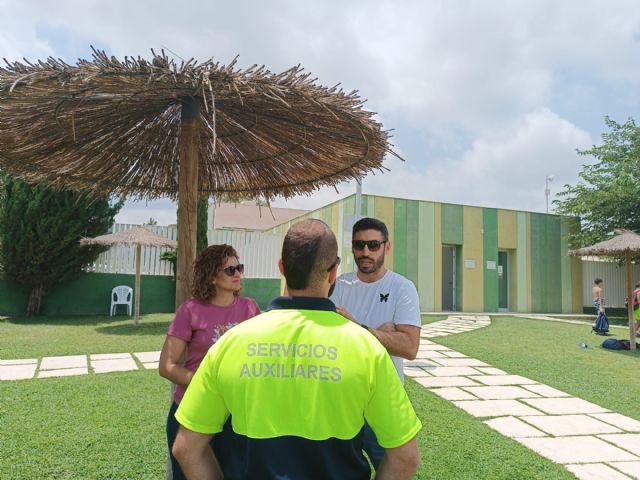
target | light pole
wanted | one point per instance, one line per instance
(548, 178)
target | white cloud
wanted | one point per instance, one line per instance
(475, 81)
(504, 169)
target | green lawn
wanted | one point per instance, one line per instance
(42, 336)
(111, 426)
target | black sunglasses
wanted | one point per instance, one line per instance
(373, 245)
(231, 271)
(334, 264)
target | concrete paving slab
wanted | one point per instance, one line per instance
(431, 354)
(491, 371)
(67, 361)
(564, 425)
(501, 393)
(17, 372)
(432, 382)
(145, 357)
(495, 408)
(20, 361)
(546, 391)
(630, 468)
(586, 449)
(109, 356)
(452, 371)
(513, 428)
(595, 471)
(453, 354)
(561, 406)
(416, 372)
(419, 363)
(433, 346)
(462, 362)
(63, 372)
(105, 366)
(504, 380)
(628, 441)
(618, 420)
(453, 393)
(150, 365)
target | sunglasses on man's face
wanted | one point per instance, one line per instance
(231, 271)
(372, 245)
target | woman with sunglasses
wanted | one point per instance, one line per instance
(216, 306)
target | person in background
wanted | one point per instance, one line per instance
(597, 292)
(216, 307)
(298, 383)
(382, 301)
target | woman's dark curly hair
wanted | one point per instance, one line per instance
(208, 264)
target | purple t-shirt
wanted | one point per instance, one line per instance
(202, 324)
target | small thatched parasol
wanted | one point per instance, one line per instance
(137, 236)
(157, 128)
(624, 244)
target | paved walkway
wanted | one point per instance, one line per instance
(70, 365)
(589, 440)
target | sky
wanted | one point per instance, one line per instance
(486, 99)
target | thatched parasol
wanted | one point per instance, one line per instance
(154, 128)
(624, 244)
(137, 236)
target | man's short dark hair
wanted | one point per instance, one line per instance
(308, 250)
(597, 281)
(368, 223)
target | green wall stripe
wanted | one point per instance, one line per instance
(327, 215)
(536, 305)
(490, 254)
(400, 237)
(452, 224)
(426, 256)
(412, 241)
(371, 206)
(521, 263)
(565, 261)
(554, 265)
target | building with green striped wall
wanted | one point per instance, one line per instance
(467, 258)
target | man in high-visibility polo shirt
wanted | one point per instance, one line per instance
(298, 383)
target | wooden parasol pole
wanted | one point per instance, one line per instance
(632, 330)
(187, 196)
(136, 311)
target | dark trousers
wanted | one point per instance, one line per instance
(371, 446)
(172, 432)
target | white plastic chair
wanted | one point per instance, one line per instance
(121, 295)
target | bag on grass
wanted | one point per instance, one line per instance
(615, 344)
(602, 324)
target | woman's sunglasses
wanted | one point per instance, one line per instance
(373, 245)
(231, 271)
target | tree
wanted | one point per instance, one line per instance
(40, 229)
(607, 195)
(202, 241)
(152, 221)
(201, 237)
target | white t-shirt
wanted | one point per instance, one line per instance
(393, 298)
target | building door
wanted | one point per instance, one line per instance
(503, 281)
(448, 278)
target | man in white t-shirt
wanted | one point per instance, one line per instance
(380, 300)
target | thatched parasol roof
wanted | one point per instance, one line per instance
(624, 241)
(113, 126)
(135, 236)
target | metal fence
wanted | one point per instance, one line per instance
(258, 251)
(614, 277)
